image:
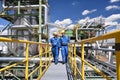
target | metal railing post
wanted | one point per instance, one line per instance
(27, 61)
(82, 55)
(69, 52)
(49, 53)
(75, 62)
(117, 47)
(40, 55)
(46, 49)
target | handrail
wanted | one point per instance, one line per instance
(43, 66)
(115, 35)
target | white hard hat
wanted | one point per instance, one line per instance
(55, 33)
(63, 31)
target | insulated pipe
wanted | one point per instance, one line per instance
(18, 59)
(78, 61)
(27, 7)
(104, 49)
(97, 44)
(40, 21)
(46, 12)
(20, 26)
(23, 7)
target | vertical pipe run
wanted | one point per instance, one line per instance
(26, 67)
(40, 19)
(110, 55)
(82, 55)
(18, 7)
(47, 30)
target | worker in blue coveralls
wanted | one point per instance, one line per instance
(64, 40)
(55, 42)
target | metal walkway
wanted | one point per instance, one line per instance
(56, 72)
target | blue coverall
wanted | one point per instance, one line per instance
(64, 40)
(55, 41)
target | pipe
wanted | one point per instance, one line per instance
(78, 61)
(20, 26)
(40, 21)
(84, 24)
(18, 59)
(29, 7)
(88, 29)
(89, 24)
(104, 49)
(46, 12)
(22, 7)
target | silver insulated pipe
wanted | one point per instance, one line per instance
(18, 59)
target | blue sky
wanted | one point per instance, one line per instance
(79, 9)
(70, 12)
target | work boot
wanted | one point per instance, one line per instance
(56, 61)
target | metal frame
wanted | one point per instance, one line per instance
(26, 60)
(114, 35)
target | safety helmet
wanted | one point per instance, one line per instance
(63, 31)
(55, 33)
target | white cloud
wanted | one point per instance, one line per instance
(113, 17)
(112, 7)
(111, 23)
(70, 26)
(66, 23)
(112, 1)
(112, 20)
(82, 21)
(85, 12)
